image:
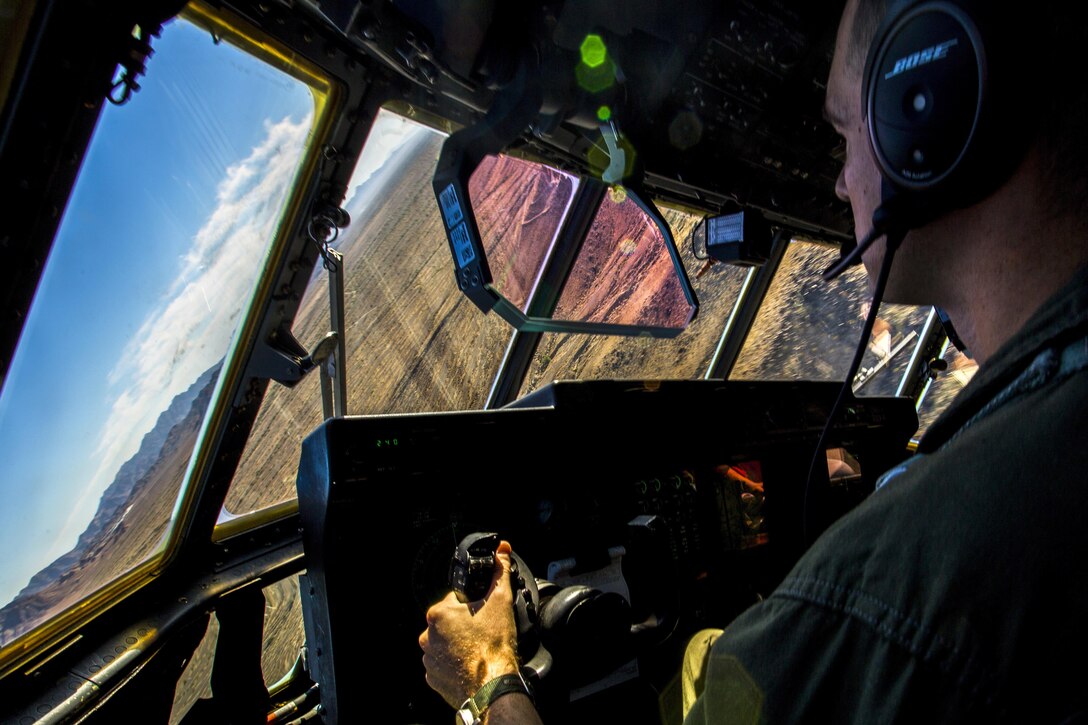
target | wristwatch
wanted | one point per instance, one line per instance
(473, 708)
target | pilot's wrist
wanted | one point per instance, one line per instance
(497, 665)
(504, 662)
(516, 707)
(476, 709)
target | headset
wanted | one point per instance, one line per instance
(946, 95)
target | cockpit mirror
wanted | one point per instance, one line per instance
(627, 271)
(559, 253)
(520, 207)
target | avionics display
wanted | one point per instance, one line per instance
(842, 465)
(742, 500)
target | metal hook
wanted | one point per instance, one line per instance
(134, 64)
(324, 229)
(324, 232)
(127, 86)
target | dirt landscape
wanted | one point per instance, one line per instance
(808, 329)
(624, 273)
(131, 521)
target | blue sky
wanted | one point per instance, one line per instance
(155, 260)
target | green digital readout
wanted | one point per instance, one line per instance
(386, 442)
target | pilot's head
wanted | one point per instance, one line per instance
(1027, 168)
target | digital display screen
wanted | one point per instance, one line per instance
(842, 466)
(741, 500)
(725, 229)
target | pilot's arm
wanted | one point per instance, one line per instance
(465, 646)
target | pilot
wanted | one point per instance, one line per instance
(955, 592)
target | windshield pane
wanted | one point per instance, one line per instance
(283, 641)
(941, 391)
(152, 267)
(414, 342)
(687, 356)
(808, 329)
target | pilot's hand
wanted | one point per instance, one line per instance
(466, 645)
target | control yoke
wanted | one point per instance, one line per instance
(586, 631)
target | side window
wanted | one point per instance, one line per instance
(414, 342)
(945, 387)
(808, 329)
(266, 471)
(284, 638)
(153, 266)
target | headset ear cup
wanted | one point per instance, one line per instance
(944, 93)
(925, 85)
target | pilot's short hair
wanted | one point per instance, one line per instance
(1060, 94)
(867, 19)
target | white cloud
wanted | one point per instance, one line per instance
(388, 134)
(193, 326)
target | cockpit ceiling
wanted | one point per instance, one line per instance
(720, 101)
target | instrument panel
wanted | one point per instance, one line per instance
(700, 482)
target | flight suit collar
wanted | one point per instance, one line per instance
(1061, 320)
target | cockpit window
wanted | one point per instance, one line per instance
(153, 266)
(414, 342)
(266, 471)
(688, 356)
(944, 387)
(283, 641)
(808, 329)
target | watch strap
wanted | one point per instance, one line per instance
(474, 707)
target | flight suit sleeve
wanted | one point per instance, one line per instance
(791, 661)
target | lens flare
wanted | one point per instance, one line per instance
(594, 51)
